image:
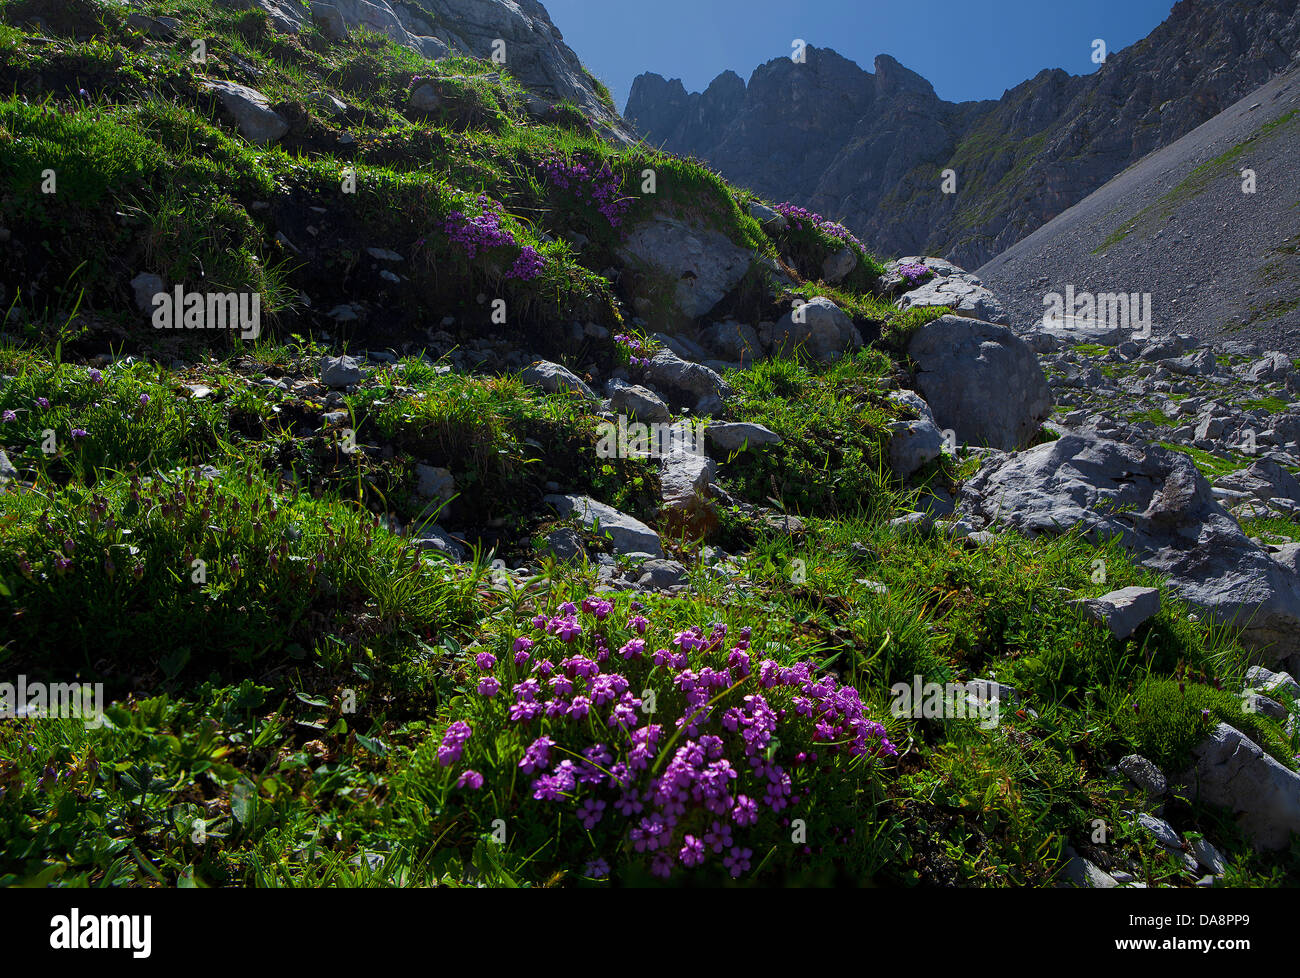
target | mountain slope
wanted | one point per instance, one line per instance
(1178, 225)
(869, 149)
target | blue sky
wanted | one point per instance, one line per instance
(968, 49)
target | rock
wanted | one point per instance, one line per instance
(435, 483)
(627, 534)
(1124, 610)
(7, 471)
(1164, 832)
(330, 21)
(145, 286)
(782, 523)
(734, 341)
(661, 574)
(565, 543)
(772, 221)
(257, 121)
(836, 267)
(981, 381)
(1144, 774)
(1275, 366)
(159, 28)
(1279, 684)
(1199, 364)
(1209, 857)
(694, 384)
(639, 402)
(1160, 507)
(553, 378)
(922, 522)
(1263, 481)
(1288, 556)
(967, 300)
(913, 444)
(437, 539)
(819, 327)
(1230, 770)
(328, 105)
(703, 265)
(340, 372)
(735, 436)
(1084, 873)
(684, 479)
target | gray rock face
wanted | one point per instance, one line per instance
(640, 402)
(872, 145)
(252, 111)
(734, 436)
(1124, 610)
(1231, 770)
(1263, 480)
(968, 299)
(340, 372)
(684, 478)
(981, 381)
(434, 483)
(690, 384)
(1161, 508)
(437, 539)
(565, 543)
(535, 51)
(913, 444)
(554, 378)
(628, 535)
(1144, 774)
(818, 327)
(704, 264)
(661, 574)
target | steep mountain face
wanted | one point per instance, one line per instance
(534, 51)
(869, 149)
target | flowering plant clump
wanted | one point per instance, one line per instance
(481, 233)
(634, 349)
(800, 216)
(670, 752)
(594, 183)
(914, 272)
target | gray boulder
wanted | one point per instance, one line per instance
(688, 384)
(981, 381)
(1231, 770)
(633, 399)
(1124, 610)
(340, 372)
(967, 299)
(1263, 480)
(252, 111)
(819, 327)
(734, 436)
(1161, 508)
(702, 265)
(628, 535)
(554, 378)
(1144, 774)
(913, 443)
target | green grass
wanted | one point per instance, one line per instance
(281, 663)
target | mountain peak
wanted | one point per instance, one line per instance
(892, 78)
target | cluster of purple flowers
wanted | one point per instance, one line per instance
(634, 349)
(799, 216)
(914, 272)
(485, 231)
(689, 788)
(594, 182)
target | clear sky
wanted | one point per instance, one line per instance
(968, 49)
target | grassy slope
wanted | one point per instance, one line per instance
(276, 704)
